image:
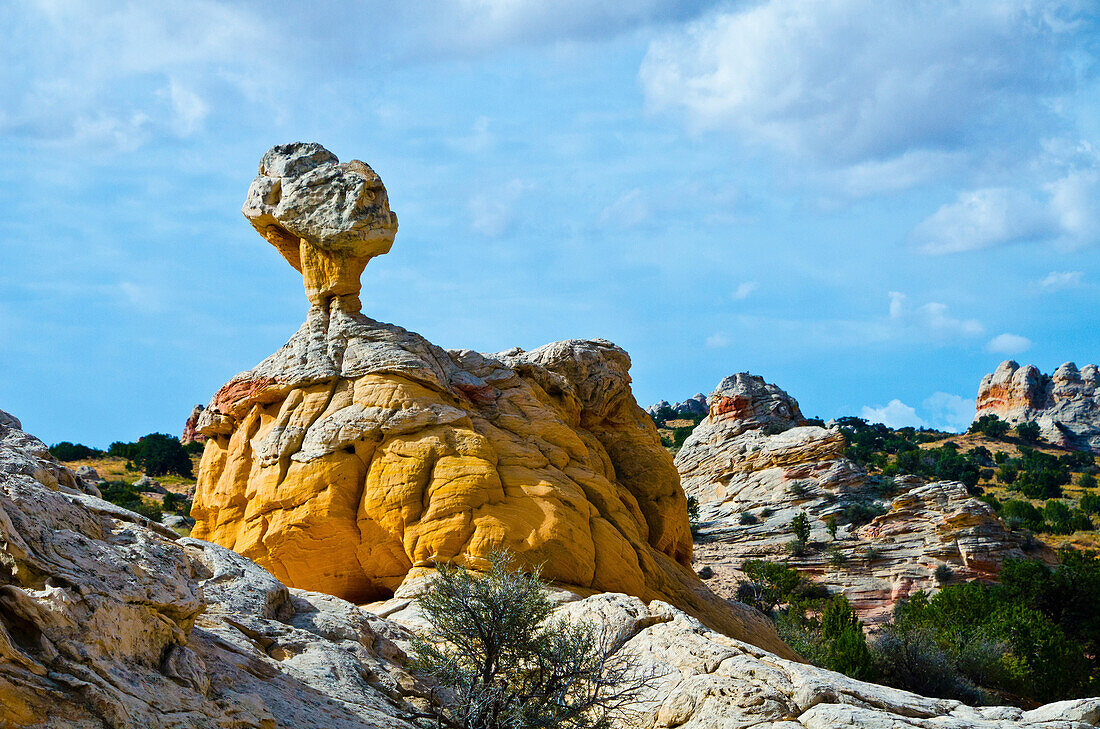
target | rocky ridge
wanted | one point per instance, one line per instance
(365, 443)
(108, 619)
(753, 465)
(1065, 405)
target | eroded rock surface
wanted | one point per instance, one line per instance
(110, 620)
(753, 466)
(1065, 405)
(360, 450)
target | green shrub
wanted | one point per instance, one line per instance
(1090, 503)
(66, 451)
(1086, 481)
(944, 574)
(800, 527)
(747, 518)
(1028, 432)
(159, 454)
(509, 663)
(990, 425)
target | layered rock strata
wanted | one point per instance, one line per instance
(107, 619)
(360, 450)
(1065, 405)
(753, 467)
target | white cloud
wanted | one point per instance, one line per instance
(717, 341)
(189, 108)
(1056, 280)
(493, 213)
(949, 412)
(744, 290)
(895, 414)
(845, 81)
(932, 319)
(1075, 202)
(981, 219)
(1008, 344)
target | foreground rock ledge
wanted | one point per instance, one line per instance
(108, 619)
(360, 450)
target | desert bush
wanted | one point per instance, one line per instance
(747, 518)
(66, 451)
(160, 454)
(991, 426)
(800, 527)
(1086, 481)
(943, 574)
(494, 643)
(1028, 432)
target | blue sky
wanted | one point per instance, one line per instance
(870, 203)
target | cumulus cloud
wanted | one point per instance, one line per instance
(845, 81)
(744, 290)
(1008, 344)
(1075, 203)
(894, 414)
(949, 412)
(981, 219)
(1056, 280)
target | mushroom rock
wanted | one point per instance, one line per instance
(1065, 405)
(360, 451)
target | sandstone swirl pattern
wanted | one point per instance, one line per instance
(360, 450)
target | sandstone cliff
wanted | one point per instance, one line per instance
(360, 450)
(109, 620)
(753, 467)
(1065, 405)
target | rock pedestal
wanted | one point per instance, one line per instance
(360, 451)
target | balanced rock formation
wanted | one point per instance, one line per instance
(1065, 405)
(753, 467)
(110, 620)
(360, 451)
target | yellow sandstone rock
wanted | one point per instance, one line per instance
(360, 451)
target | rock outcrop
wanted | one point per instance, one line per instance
(360, 451)
(693, 407)
(108, 619)
(1065, 405)
(753, 467)
(191, 432)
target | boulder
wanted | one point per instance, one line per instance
(150, 485)
(752, 467)
(109, 619)
(1065, 405)
(360, 451)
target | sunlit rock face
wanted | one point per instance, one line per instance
(753, 464)
(360, 450)
(1065, 405)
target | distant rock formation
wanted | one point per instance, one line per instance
(109, 619)
(693, 407)
(753, 467)
(360, 451)
(1065, 405)
(191, 432)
